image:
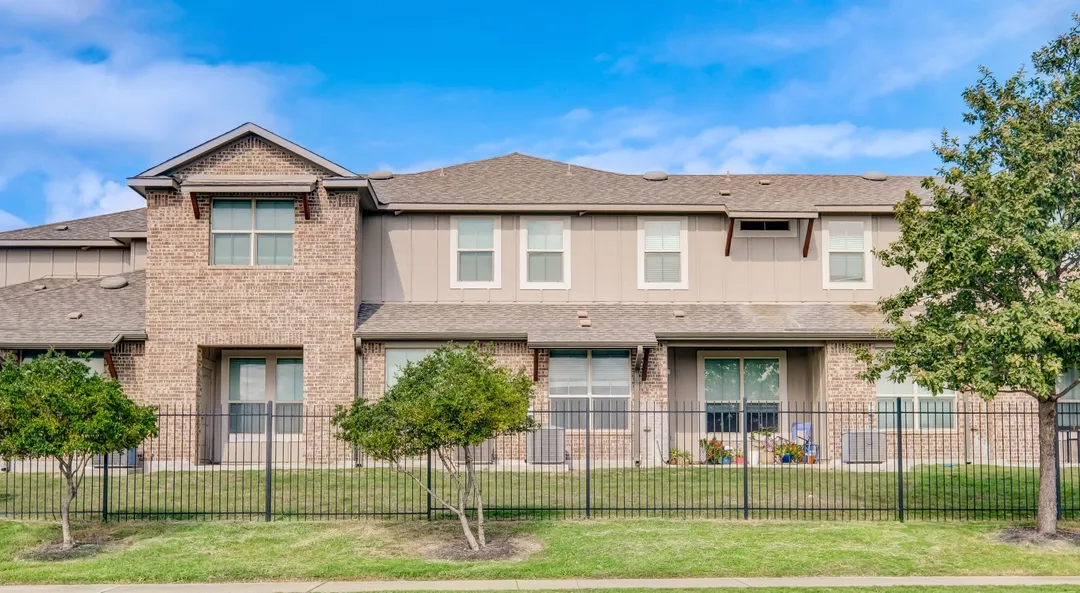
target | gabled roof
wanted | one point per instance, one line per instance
(520, 180)
(40, 318)
(234, 134)
(616, 325)
(94, 230)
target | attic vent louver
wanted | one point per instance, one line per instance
(114, 282)
(380, 175)
(75, 315)
(40, 287)
(61, 227)
(655, 175)
(679, 313)
(874, 176)
(764, 182)
(725, 192)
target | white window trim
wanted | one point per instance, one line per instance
(684, 259)
(868, 257)
(253, 242)
(917, 399)
(496, 277)
(270, 358)
(589, 393)
(524, 258)
(793, 229)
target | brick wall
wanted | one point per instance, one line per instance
(191, 305)
(129, 358)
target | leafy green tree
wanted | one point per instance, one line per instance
(454, 398)
(56, 407)
(994, 300)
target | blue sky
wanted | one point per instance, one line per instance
(93, 91)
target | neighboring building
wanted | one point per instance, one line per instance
(275, 275)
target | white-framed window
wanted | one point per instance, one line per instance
(254, 382)
(663, 261)
(848, 262)
(251, 232)
(545, 252)
(766, 227)
(919, 408)
(397, 358)
(95, 359)
(596, 380)
(475, 254)
(754, 382)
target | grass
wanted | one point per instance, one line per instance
(801, 492)
(228, 551)
(962, 589)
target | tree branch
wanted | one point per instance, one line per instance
(399, 467)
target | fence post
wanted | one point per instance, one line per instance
(429, 485)
(588, 457)
(105, 489)
(1057, 461)
(269, 458)
(746, 463)
(899, 460)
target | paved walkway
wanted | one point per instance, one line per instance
(511, 585)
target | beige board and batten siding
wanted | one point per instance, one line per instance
(23, 264)
(406, 258)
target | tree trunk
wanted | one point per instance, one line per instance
(479, 504)
(1047, 517)
(463, 502)
(65, 511)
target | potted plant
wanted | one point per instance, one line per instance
(764, 438)
(715, 451)
(738, 455)
(680, 457)
(790, 453)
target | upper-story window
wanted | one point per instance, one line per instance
(766, 228)
(545, 253)
(662, 253)
(848, 262)
(475, 258)
(248, 232)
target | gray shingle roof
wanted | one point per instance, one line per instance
(40, 318)
(518, 179)
(94, 228)
(614, 324)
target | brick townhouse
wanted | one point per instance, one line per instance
(262, 273)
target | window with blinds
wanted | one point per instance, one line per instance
(663, 263)
(256, 382)
(919, 408)
(580, 381)
(753, 383)
(545, 246)
(848, 254)
(252, 232)
(475, 252)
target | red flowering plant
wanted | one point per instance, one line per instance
(715, 451)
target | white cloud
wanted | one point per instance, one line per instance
(9, 221)
(64, 10)
(721, 148)
(87, 194)
(576, 116)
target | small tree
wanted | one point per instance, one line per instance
(994, 302)
(56, 407)
(454, 398)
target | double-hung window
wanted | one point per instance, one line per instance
(252, 387)
(848, 261)
(397, 358)
(545, 253)
(247, 232)
(662, 253)
(731, 382)
(475, 258)
(596, 380)
(919, 408)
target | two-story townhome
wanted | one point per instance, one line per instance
(262, 273)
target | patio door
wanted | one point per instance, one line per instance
(731, 383)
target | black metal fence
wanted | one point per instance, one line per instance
(893, 460)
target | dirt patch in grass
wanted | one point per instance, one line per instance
(1028, 536)
(56, 552)
(513, 548)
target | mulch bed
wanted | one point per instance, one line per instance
(1029, 536)
(454, 549)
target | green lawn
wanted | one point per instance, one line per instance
(628, 548)
(1006, 589)
(804, 492)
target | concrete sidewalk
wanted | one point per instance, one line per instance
(525, 585)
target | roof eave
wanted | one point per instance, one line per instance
(563, 208)
(72, 243)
